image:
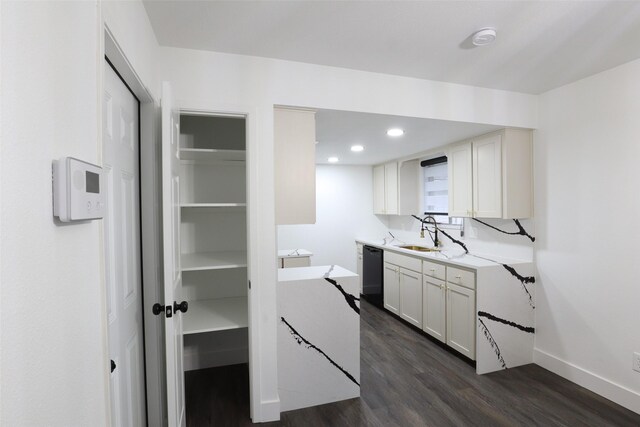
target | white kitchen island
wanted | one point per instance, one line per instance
(318, 336)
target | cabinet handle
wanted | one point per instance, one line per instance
(458, 277)
(432, 269)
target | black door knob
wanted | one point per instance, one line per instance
(113, 365)
(157, 308)
(183, 307)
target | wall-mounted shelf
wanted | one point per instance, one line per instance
(212, 315)
(205, 155)
(213, 260)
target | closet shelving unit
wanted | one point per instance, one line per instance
(213, 239)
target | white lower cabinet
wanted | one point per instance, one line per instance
(411, 296)
(391, 278)
(445, 309)
(461, 304)
(434, 307)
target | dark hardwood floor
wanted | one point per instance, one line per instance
(407, 380)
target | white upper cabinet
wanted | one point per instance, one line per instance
(385, 189)
(391, 188)
(295, 168)
(460, 180)
(395, 188)
(491, 176)
(487, 177)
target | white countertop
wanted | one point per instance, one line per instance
(294, 253)
(457, 257)
(315, 272)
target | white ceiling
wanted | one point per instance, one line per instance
(541, 44)
(337, 131)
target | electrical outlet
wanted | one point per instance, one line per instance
(636, 362)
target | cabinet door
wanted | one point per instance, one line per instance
(360, 271)
(487, 177)
(434, 307)
(295, 166)
(411, 297)
(378, 190)
(304, 261)
(391, 188)
(392, 288)
(461, 320)
(460, 181)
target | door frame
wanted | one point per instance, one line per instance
(150, 200)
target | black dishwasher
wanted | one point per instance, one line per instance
(372, 285)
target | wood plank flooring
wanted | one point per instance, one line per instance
(408, 380)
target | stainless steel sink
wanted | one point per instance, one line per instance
(419, 248)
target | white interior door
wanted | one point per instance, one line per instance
(171, 254)
(121, 152)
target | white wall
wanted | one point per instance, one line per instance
(53, 343)
(587, 175)
(54, 364)
(344, 212)
(213, 81)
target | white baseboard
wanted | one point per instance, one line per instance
(597, 384)
(269, 411)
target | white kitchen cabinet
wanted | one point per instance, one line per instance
(385, 189)
(491, 176)
(391, 188)
(409, 178)
(460, 165)
(295, 169)
(411, 296)
(487, 176)
(461, 321)
(359, 265)
(403, 286)
(379, 207)
(391, 277)
(303, 261)
(434, 307)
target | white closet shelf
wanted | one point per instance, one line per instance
(211, 155)
(212, 205)
(212, 315)
(213, 260)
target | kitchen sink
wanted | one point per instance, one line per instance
(419, 248)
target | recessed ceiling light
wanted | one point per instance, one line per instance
(357, 148)
(484, 36)
(395, 132)
(332, 160)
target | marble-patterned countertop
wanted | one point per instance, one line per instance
(294, 253)
(315, 272)
(454, 257)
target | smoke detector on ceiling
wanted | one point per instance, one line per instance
(484, 36)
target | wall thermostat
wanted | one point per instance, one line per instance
(77, 192)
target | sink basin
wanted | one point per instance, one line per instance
(419, 248)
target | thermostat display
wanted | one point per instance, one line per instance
(77, 194)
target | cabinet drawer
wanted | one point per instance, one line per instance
(405, 261)
(461, 277)
(433, 269)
